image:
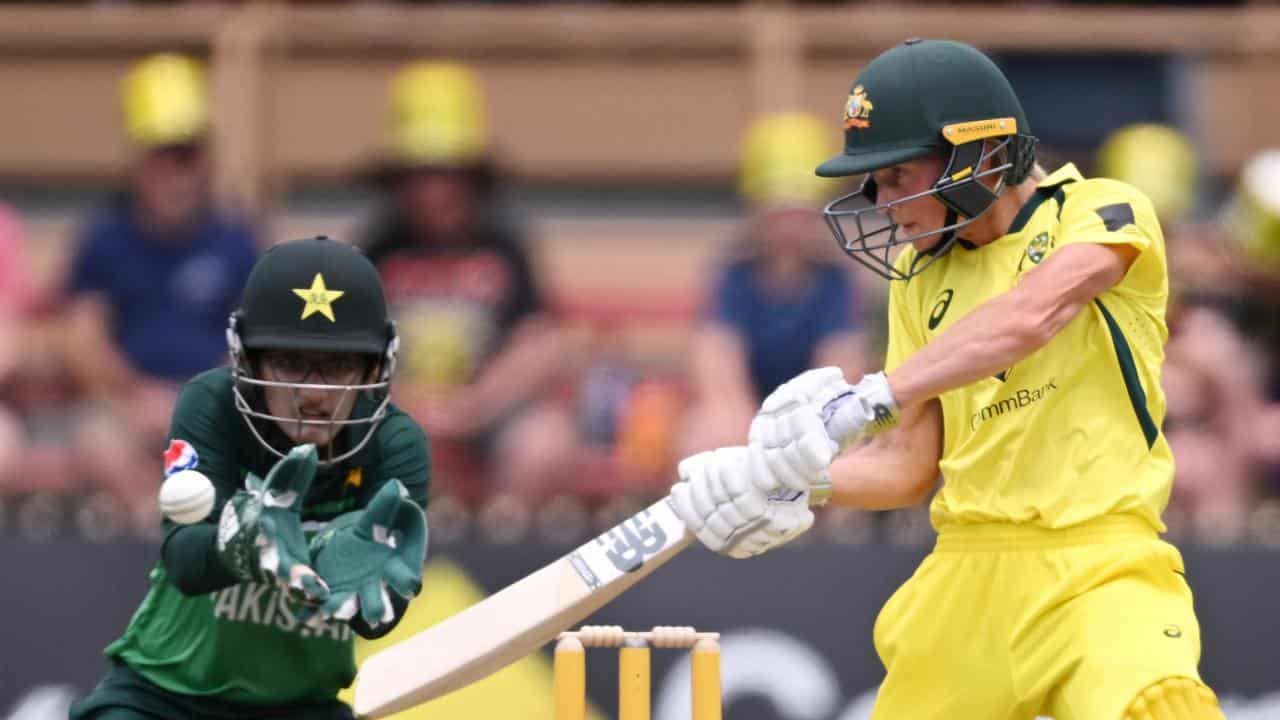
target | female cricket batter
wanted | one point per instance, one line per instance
(1026, 333)
(245, 618)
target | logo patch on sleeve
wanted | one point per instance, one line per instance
(1116, 216)
(180, 456)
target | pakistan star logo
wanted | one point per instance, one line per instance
(318, 298)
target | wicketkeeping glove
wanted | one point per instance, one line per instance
(366, 553)
(260, 535)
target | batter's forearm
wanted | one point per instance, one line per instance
(1004, 330)
(987, 341)
(896, 469)
(871, 479)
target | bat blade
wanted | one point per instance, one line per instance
(521, 617)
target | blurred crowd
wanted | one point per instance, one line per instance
(91, 357)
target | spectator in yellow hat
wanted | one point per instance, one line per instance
(480, 347)
(156, 273)
(781, 304)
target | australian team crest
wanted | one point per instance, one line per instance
(1039, 247)
(857, 112)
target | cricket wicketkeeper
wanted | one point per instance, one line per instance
(318, 532)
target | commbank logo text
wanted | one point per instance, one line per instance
(1022, 398)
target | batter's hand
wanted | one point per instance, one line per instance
(818, 405)
(742, 501)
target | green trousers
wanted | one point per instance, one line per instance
(125, 695)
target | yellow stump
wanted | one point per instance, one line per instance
(571, 679)
(705, 659)
(633, 680)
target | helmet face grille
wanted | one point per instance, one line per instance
(866, 232)
(248, 391)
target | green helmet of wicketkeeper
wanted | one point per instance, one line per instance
(921, 98)
(313, 349)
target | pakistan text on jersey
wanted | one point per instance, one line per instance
(264, 605)
(1022, 398)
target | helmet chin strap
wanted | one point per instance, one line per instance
(949, 236)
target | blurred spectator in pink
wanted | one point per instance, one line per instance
(157, 271)
(34, 388)
(14, 276)
(785, 302)
(480, 348)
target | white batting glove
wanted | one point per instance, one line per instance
(817, 405)
(741, 501)
(789, 517)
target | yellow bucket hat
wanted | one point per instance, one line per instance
(1156, 159)
(777, 158)
(436, 116)
(164, 101)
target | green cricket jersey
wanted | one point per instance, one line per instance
(242, 643)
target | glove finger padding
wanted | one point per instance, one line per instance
(367, 553)
(260, 534)
(682, 503)
(702, 500)
(289, 480)
(374, 603)
(786, 519)
(808, 386)
(403, 581)
(381, 510)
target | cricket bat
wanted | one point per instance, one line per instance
(530, 612)
(521, 617)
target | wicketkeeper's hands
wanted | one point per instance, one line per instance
(260, 535)
(363, 555)
(818, 405)
(743, 501)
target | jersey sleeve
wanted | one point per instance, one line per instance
(404, 457)
(1108, 212)
(905, 335)
(198, 440)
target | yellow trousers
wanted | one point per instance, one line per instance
(1007, 622)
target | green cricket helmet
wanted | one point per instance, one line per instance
(313, 295)
(920, 98)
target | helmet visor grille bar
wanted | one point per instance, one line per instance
(865, 230)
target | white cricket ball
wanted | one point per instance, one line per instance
(187, 497)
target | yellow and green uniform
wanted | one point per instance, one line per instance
(1049, 591)
(204, 645)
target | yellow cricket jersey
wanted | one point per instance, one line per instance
(1071, 432)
